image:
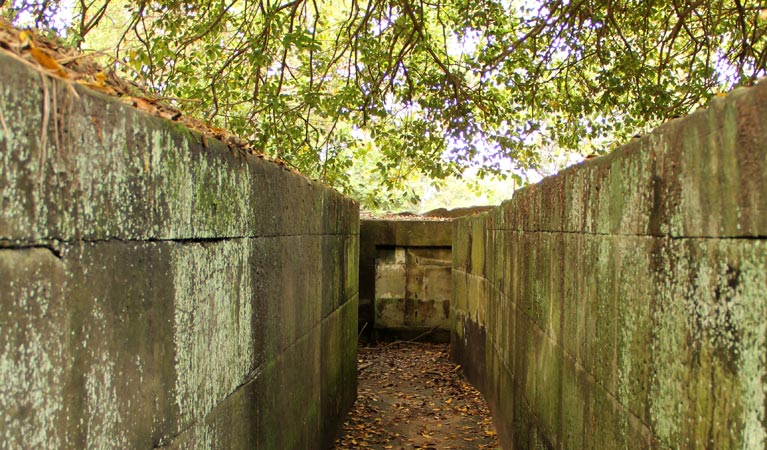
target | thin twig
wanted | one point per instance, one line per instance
(425, 333)
(5, 127)
(363, 326)
(44, 131)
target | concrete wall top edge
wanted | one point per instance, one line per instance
(702, 175)
(92, 162)
(407, 233)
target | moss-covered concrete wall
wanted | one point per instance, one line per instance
(158, 292)
(622, 304)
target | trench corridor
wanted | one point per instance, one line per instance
(412, 396)
(161, 287)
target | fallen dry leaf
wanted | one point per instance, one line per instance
(48, 62)
(398, 394)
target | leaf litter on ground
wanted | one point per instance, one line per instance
(411, 396)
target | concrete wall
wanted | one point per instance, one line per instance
(155, 292)
(623, 302)
(405, 280)
(413, 287)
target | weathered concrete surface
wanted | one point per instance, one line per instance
(413, 288)
(456, 212)
(158, 293)
(405, 277)
(622, 303)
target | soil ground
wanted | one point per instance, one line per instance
(411, 396)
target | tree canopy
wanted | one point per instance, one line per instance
(362, 94)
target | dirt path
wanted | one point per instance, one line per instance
(411, 396)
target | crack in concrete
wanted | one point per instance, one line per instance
(54, 246)
(56, 243)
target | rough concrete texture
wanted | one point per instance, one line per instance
(413, 288)
(155, 292)
(622, 303)
(456, 212)
(405, 277)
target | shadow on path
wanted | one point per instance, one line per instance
(411, 396)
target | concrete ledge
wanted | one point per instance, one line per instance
(406, 233)
(88, 167)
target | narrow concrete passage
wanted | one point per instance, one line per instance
(411, 396)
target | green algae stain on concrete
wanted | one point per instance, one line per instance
(635, 327)
(749, 311)
(203, 196)
(113, 186)
(709, 346)
(20, 156)
(103, 419)
(140, 177)
(213, 317)
(32, 349)
(223, 197)
(173, 165)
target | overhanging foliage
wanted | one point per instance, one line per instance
(428, 86)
